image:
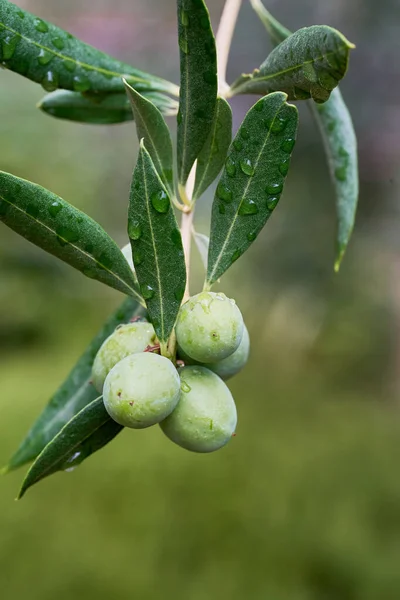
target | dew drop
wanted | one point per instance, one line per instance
(244, 133)
(160, 201)
(340, 173)
(147, 292)
(248, 207)
(247, 167)
(176, 238)
(65, 235)
(58, 43)
(238, 145)
(237, 254)
(331, 126)
(179, 117)
(69, 65)
(50, 81)
(8, 46)
(21, 14)
(183, 45)
(224, 192)
(259, 106)
(251, 236)
(274, 188)
(210, 77)
(272, 201)
(41, 26)
(284, 167)
(185, 387)
(184, 16)
(137, 258)
(54, 208)
(221, 209)
(81, 83)
(134, 230)
(44, 57)
(178, 293)
(278, 125)
(288, 145)
(230, 167)
(32, 210)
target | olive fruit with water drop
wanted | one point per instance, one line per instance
(205, 417)
(141, 390)
(209, 327)
(126, 339)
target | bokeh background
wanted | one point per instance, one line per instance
(304, 504)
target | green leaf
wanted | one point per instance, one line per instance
(152, 128)
(337, 130)
(156, 246)
(54, 58)
(252, 180)
(64, 231)
(198, 91)
(86, 433)
(213, 154)
(308, 64)
(340, 142)
(74, 394)
(202, 243)
(99, 109)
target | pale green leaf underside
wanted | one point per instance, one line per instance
(59, 228)
(340, 142)
(54, 58)
(198, 90)
(156, 246)
(99, 109)
(152, 128)
(74, 394)
(87, 432)
(202, 244)
(308, 64)
(213, 154)
(252, 181)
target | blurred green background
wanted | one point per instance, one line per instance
(304, 504)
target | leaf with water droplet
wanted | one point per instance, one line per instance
(99, 109)
(308, 64)
(151, 127)
(51, 223)
(162, 268)
(74, 394)
(337, 130)
(86, 433)
(198, 90)
(28, 44)
(259, 155)
(213, 154)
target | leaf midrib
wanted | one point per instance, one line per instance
(186, 117)
(79, 250)
(220, 256)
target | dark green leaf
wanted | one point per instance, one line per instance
(252, 180)
(213, 154)
(198, 91)
(152, 128)
(54, 58)
(86, 433)
(156, 246)
(99, 109)
(74, 394)
(308, 64)
(64, 231)
(337, 130)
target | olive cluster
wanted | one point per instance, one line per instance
(189, 400)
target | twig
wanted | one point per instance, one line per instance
(186, 228)
(224, 39)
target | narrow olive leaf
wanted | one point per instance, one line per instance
(156, 246)
(64, 231)
(198, 91)
(75, 393)
(252, 180)
(337, 131)
(340, 142)
(152, 128)
(213, 154)
(54, 58)
(308, 64)
(86, 433)
(202, 243)
(99, 109)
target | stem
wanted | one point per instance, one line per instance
(186, 232)
(224, 39)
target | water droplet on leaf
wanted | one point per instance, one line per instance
(137, 258)
(244, 133)
(238, 145)
(147, 292)
(44, 57)
(184, 16)
(230, 167)
(248, 207)
(288, 145)
(69, 65)
(251, 236)
(58, 43)
(160, 201)
(284, 166)
(340, 173)
(183, 45)
(81, 83)
(41, 26)
(274, 188)
(50, 81)
(224, 192)
(54, 208)
(67, 235)
(221, 209)
(185, 387)
(8, 46)
(237, 254)
(272, 201)
(134, 230)
(247, 167)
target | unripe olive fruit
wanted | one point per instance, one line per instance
(126, 339)
(205, 417)
(141, 390)
(209, 327)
